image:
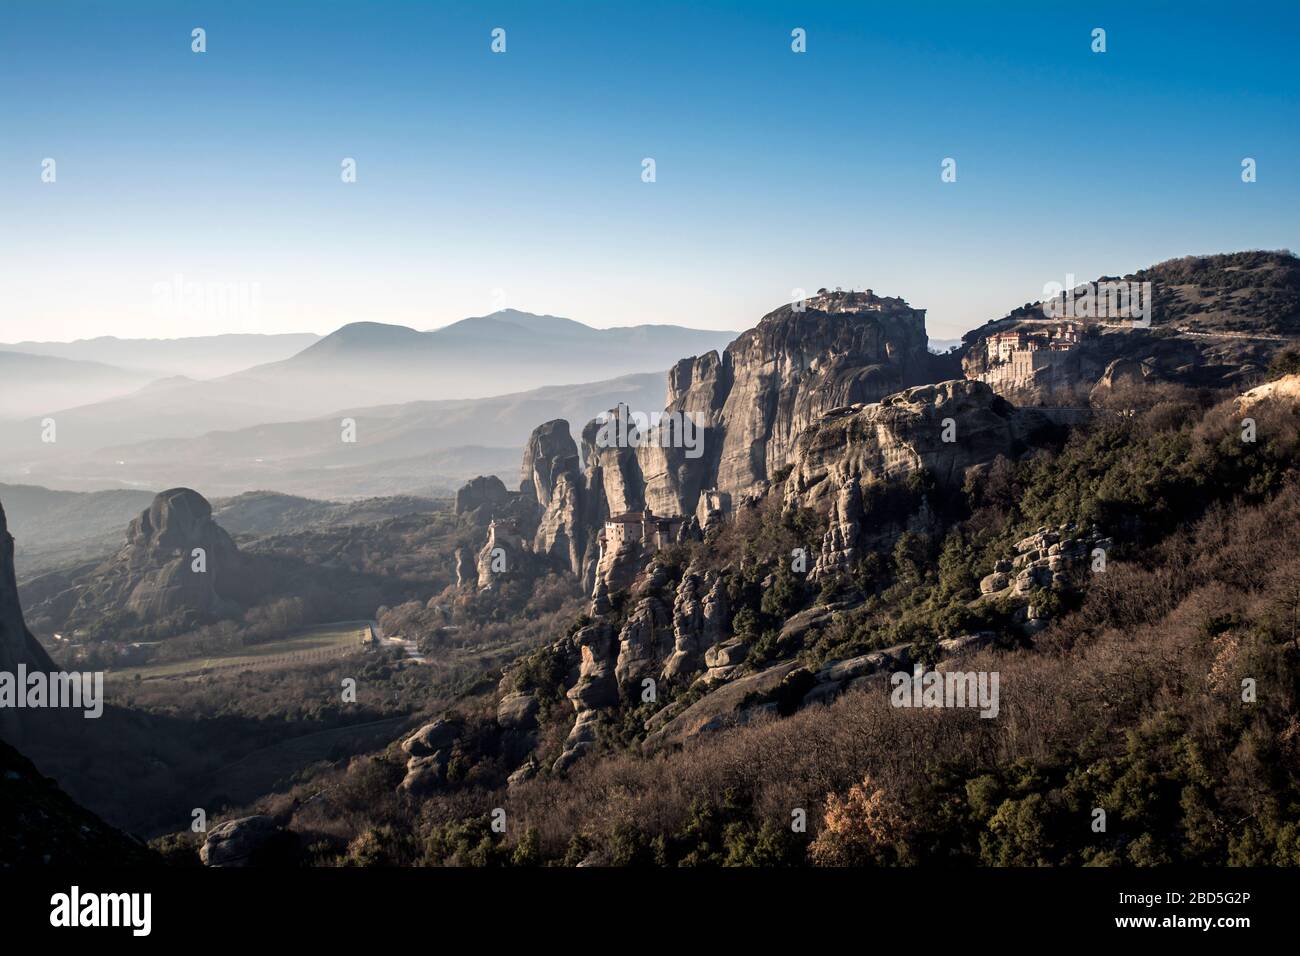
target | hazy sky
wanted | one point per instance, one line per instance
(515, 179)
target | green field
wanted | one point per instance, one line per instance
(317, 643)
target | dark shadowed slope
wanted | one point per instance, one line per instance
(44, 827)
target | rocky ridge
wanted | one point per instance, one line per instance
(1215, 322)
(813, 405)
(746, 407)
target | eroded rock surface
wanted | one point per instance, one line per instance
(178, 568)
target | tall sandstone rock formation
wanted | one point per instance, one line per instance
(751, 402)
(551, 474)
(746, 407)
(821, 404)
(42, 825)
(178, 568)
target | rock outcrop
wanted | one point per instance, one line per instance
(549, 454)
(747, 406)
(944, 429)
(517, 711)
(551, 522)
(701, 619)
(643, 643)
(793, 367)
(481, 498)
(17, 645)
(1049, 559)
(551, 474)
(723, 659)
(658, 641)
(177, 569)
(247, 841)
(503, 555)
(785, 687)
(160, 561)
(733, 703)
(428, 752)
(1284, 389)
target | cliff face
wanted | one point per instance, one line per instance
(16, 643)
(731, 421)
(17, 646)
(551, 474)
(747, 406)
(795, 366)
(944, 429)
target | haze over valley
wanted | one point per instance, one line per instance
(437, 407)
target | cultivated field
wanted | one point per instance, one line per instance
(313, 644)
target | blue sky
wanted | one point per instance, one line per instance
(515, 179)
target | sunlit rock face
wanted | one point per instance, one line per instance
(944, 429)
(551, 474)
(741, 411)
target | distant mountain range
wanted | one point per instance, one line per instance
(506, 351)
(38, 379)
(201, 356)
(362, 364)
(426, 448)
(35, 385)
